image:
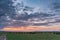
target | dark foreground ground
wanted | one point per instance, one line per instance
(31, 35)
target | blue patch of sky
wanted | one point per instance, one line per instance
(37, 3)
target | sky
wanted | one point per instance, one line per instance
(30, 15)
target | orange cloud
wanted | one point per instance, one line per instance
(30, 28)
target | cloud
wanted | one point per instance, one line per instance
(34, 19)
(30, 29)
(28, 16)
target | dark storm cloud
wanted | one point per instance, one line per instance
(9, 16)
(27, 16)
(56, 5)
(24, 17)
(6, 9)
(18, 23)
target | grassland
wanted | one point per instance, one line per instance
(31, 35)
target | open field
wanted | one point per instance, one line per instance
(31, 35)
